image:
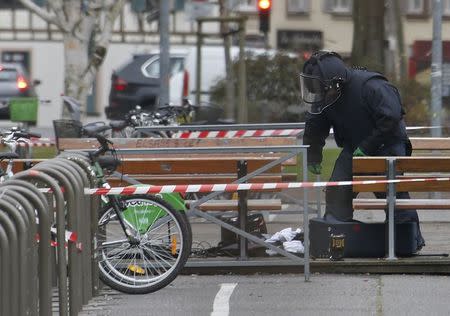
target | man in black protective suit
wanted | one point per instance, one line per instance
(366, 115)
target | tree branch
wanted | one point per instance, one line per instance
(43, 14)
(58, 8)
(110, 18)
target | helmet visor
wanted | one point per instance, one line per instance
(315, 96)
(312, 89)
(313, 93)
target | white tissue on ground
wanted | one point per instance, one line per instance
(285, 238)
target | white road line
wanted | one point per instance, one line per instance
(221, 305)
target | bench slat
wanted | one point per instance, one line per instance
(430, 143)
(191, 179)
(379, 204)
(190, 166)
(370, 165)
(232, 205)
(438, 186)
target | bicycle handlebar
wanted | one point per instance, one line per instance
(26, 135)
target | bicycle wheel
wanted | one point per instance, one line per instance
(155, 258)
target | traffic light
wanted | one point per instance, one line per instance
(264, 7)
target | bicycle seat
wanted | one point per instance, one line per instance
(119, 124)
(8, 156)
(92, 130)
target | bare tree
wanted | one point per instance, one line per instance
(87, 27)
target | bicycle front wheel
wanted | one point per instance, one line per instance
(155, 257)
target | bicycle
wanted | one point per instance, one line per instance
(18, 142)
(143, 240)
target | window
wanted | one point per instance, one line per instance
(338, 7)
(446, 7)
(151, 67)
(8, 74)
(415, 7)
(298, 6)
(246, 6)
(341, 6)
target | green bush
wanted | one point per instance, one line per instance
(273, 92)
(416, 99)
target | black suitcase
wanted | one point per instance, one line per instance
(362, 240)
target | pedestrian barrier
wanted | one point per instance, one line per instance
(165, 161)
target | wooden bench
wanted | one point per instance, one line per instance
(425, 163)
(192, 168)
(428, 161)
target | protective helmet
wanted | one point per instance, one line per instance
(322, 80)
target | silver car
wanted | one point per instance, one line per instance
(14, 82)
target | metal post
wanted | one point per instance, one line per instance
(198, 74)
(242, 210)
(391, 196)
(305, 218)
(164, 56)
(242, 78)
(436, 70)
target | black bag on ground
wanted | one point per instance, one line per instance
(229, 241)
(363, 240)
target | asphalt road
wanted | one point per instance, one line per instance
(287, 295)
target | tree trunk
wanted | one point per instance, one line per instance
(230, 107)
(76, 62)
(368, 42)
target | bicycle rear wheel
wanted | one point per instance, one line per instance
(161, 249)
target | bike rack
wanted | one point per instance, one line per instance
(10, 297)
(29, 291)
(24, 219)
(83, 162)
(80, 223)
(29, 198)
(67, 180)
(39, 202)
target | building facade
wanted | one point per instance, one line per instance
(295, 25)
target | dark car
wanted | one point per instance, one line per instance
(14, 82)
(137, 83)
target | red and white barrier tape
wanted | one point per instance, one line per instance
(239, 133)
(255, 133)
(205, 188)
(36, 144)
(69, 237)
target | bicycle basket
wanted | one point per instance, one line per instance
(67, 129)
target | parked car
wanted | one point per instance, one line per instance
(137, 82)
(14, 82)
